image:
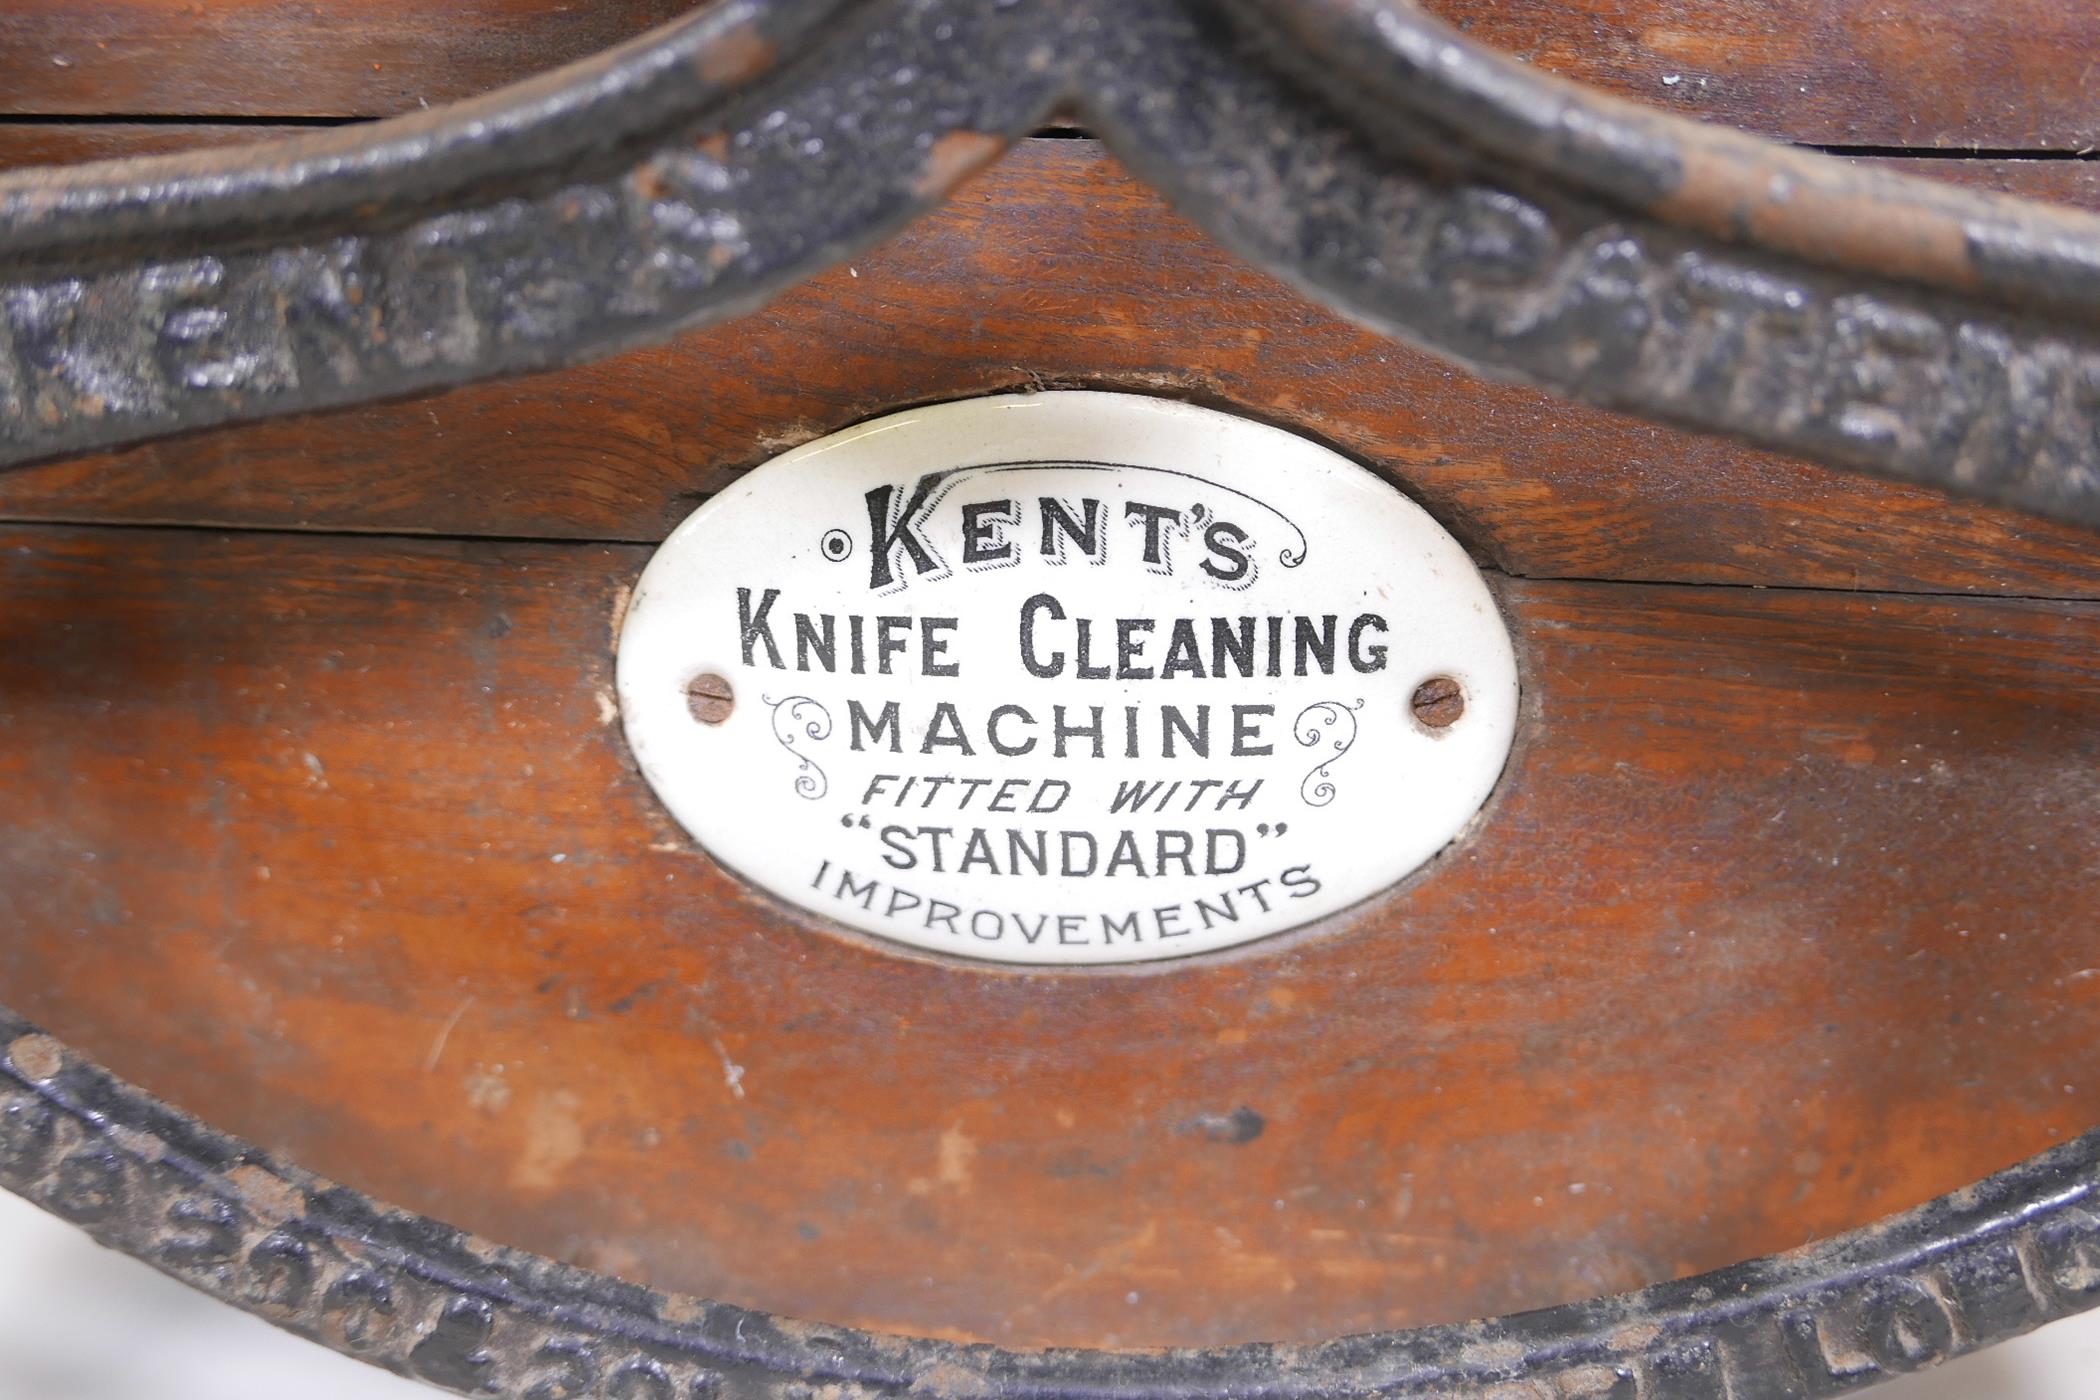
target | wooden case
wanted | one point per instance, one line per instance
(319, 822)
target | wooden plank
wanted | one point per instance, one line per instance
(1934, 73)
(1057, 268)
(1784, 918)
(25, 144)
(292, 58)
(2003, 74)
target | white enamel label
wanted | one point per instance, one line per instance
(1067, 678)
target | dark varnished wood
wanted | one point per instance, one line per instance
(1057, 268)
(1925, 73)
(24, 144)
(1920, 73)
(292, 58)
(1783, 919)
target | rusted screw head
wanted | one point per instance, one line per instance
(1438, 702)
(709, 697)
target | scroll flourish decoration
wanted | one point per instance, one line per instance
(1332, 723)
(793, 722)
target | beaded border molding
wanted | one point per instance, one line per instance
(1997, 1259)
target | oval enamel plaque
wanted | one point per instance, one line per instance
(1067, 678)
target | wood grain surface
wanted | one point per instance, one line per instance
(1926, 74)
(1999, 74)
(25, 143)
(1782, 919)
(1057, 268)
(292, 58)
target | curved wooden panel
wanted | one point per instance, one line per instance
(1785, 896)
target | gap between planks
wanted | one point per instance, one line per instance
(1490, 571)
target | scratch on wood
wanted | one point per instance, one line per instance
(732, 1072)
(623, 597)
(437, 1046)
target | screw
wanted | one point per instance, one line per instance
(1438, 702)
(709, 697)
